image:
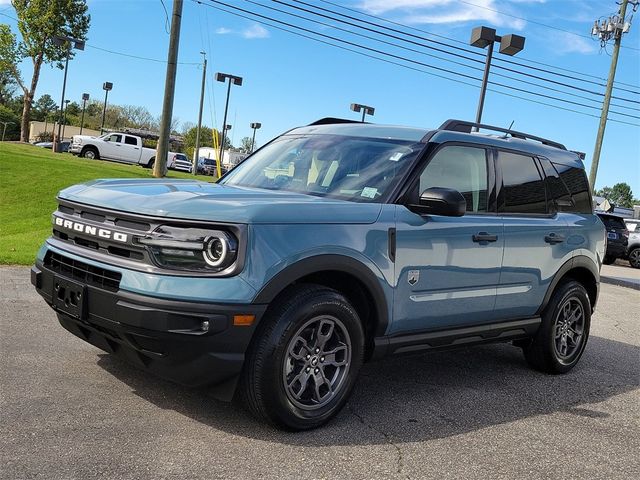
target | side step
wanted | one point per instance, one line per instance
(457, 337)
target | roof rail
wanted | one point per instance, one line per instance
(332, 120)
(466, 127)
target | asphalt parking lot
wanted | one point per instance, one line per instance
(70, 411)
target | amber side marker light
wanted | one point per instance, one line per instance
(243, 320)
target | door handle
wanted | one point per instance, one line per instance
(554, 238)
(484, 237)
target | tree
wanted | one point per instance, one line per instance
(39, 21)
(7, 87)
(13, 127)
(43, 106)
(245, 145)
(620, 195)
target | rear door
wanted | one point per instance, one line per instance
(130, 151)
(535, 236)
(448, 268)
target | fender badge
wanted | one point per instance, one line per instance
(413, 277)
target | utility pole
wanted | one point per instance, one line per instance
(162, 150)
(85, 97)
(204, 79)
(613, 27)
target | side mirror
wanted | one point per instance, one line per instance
(442, 201)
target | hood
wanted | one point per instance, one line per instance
(195, 200)
(83, 137)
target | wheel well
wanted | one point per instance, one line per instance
(89, 147)
(354, 290)
(585, 277)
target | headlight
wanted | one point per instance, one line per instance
(194, 249)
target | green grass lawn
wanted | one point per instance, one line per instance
(30, 178)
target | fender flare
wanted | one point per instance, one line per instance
(580, 261)
(329, 262)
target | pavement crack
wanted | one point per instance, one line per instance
(387, 437)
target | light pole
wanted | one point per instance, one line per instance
(85, 97)
(482, 37)
(255, 126)
(366, 110)
(106, 86)
(64, 123)
(204, 79)
(222, 77)
(4, 128)
(61, 40)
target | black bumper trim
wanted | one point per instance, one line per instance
(162, 336)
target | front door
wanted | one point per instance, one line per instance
(448, 268)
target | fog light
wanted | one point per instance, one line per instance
(205, 326)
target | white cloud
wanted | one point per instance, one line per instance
(223, 31)
(449, 11)
(255, 31)
(567, 43)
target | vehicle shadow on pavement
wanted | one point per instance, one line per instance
(424, 397)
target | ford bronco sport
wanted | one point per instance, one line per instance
(334, 244)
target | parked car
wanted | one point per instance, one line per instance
(633, 248)
(334, 244)
(179, 161)
(617, 237)
(207, 166)
(64, 146)
(118, 147)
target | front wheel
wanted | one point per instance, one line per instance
(90, 153)
(634, 257)
(306, 358)
(608, 259)
(564, 331)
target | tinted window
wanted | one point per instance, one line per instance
(576, 182)
(130, 140)
(612, 222)
(523, 189)
(558, 194)
(463, 169)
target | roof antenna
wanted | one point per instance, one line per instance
(508, 132)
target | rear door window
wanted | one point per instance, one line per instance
(523, 190)
(130, 140)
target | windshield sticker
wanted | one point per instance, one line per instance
(369, 192)
(396, 156)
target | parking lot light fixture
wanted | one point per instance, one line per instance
(366, 110)
(483, 37)
(107, 87)
(233, 79)
(85, 98)
(255, 126)
(68, 43)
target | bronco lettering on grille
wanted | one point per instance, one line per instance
(89, 230)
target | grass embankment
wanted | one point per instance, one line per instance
(30, 178)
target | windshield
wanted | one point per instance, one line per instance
(351, 168)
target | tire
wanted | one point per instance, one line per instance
(608, 259)
(634, 257)
(549, 354)
(151, 163)
(91, 153)
(304, 361)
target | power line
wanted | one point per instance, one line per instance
(138, 57)
(398, 57)
(438, 49)
(408, 27)
(235, 13)
(439, 57)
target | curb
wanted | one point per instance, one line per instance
(620, 282)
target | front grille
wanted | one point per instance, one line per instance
(83, 272)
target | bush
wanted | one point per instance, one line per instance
(44, 137)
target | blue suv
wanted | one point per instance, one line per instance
(334, 244)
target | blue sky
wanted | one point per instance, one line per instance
(291, 81)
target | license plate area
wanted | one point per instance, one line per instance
(69, 297)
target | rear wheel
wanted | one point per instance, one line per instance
(303, 366)
(634, 257)
(151, 163)
(563, 333)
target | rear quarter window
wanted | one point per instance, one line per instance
(575, 179)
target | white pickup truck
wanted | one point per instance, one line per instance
(119, 147)
(125, 148)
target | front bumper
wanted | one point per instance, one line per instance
(164, 337)
(75, 149)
